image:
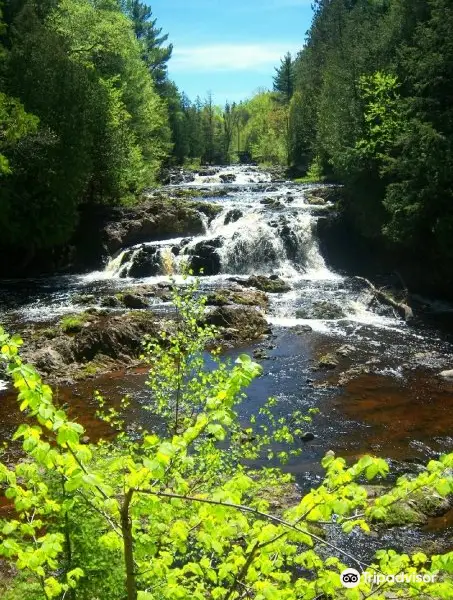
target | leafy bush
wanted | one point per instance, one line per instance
(176, 513)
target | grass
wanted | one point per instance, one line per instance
(308, 179)
(73, 323)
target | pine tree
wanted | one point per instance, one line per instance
(155, 53)
(284, 79)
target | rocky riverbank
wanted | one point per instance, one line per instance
(108, 335)
(102, 231)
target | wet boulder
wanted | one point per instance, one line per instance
(208, 209)
(118, 337)
(239, 323)
(319, 196)
(84, 298)
(207, 172)
(157, 217)
(134, 301)
(271, 285)
(260, 354)
(47, 360)
(290, 241)
(328, 362)
(227, 297)
(227, 177)
(178, 177)
(145, 262)
(321, 309)
(345, 350)
(204, 257)
(110, 302)
(232, 216)
(273, 203)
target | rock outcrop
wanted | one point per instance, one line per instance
(239, 323)
(271, 285)
(204, 257)
(158, 218)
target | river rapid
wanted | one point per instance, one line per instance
(383, 395)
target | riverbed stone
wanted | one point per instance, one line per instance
(228, 296)
(321, 309)
(345, 350)
(260, 354)
(328, 361)
(115, 337)
(353, 373)
(156, 217)
(227, 177)
(134, 301)
(204, 257)
(48, 359)
(320, 196)
(145, 262)
(239, 323)
(110, 302)
(289, 239)
(232, 216)
(271, 285)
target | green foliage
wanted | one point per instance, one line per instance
(103, 130)
(372, 103)
(382, 114)
(284, 78)
(15, 124)
(72, 323)
(156, 56)
(315, 171)
(266, 132)
(175, 513)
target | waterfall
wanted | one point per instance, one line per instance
(262, 229)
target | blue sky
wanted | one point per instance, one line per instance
(230, 48)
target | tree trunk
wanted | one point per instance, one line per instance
(126, 530)
(403, 309)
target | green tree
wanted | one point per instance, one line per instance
(155, 54)
(419, 199)
(103, 131)
(15, 123)
(284, 78)
(266, 134)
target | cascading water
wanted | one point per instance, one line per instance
(269, 232)
(263, 229)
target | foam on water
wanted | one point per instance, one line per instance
(264, 228)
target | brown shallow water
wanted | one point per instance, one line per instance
(406, 418)
(401, 414)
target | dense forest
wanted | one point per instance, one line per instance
(371, 106)
(165, 463)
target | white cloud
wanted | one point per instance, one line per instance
(230, 57)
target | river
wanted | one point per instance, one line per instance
(391, 403)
